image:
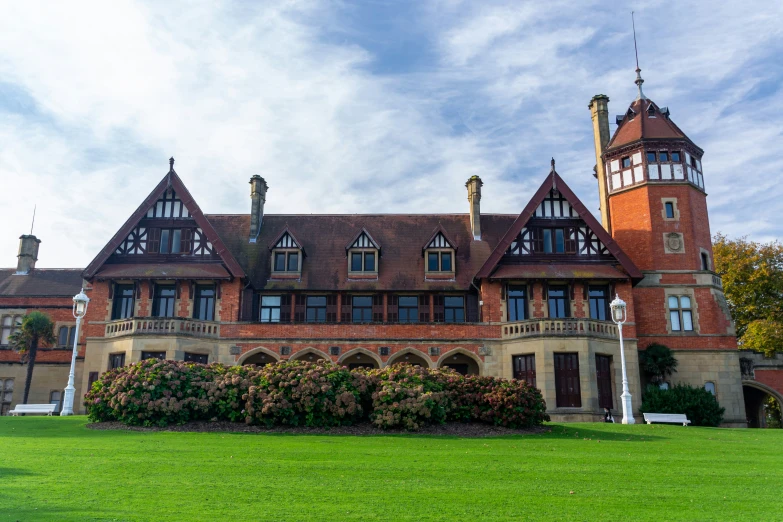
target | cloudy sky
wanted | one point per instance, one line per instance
(365, 107)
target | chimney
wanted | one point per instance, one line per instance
(28, 253)
(474, 198)
(258, 188)
(599, 111)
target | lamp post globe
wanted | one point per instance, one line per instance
(80, 302)
(619, 316)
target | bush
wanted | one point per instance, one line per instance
(318, 394)
(699, 405)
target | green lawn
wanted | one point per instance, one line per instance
(55, 469)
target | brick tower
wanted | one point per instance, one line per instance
(652, 192)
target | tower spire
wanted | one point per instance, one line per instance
(639, 80)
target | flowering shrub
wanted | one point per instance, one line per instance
(162, 393)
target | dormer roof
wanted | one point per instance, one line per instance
(286, 239)
(439, 239)
(363, 240)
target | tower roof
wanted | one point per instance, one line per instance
(645, 120)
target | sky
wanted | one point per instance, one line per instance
(370, 106)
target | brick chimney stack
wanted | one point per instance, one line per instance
(258, 188)
(474, 198)
(599, 110)
(28, 253)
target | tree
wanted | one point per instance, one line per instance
(657, 362)
(36, 329)
(752, 276)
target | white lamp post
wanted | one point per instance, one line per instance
(80, 302)
(619, 316)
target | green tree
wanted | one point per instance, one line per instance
(657, 362)
(752, 276)
(36, 329)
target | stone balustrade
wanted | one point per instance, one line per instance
(570, 327)
(163, 326)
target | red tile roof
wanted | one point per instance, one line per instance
(645, 125)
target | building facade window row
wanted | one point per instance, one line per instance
(558, 301)
(163, 301)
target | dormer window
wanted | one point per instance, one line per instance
(651, 111)
(363, 253)
(439, 256)
(286, 255)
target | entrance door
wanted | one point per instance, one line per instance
(525, 368)
(603, 373)
(569, 394)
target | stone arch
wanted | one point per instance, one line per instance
(753, 393)
(465, 359)
(258, 355)
(410, 355)
(309, 355)
(360, 356)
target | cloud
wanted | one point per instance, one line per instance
(96, 97)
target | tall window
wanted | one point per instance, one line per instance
(270, 308)
(705, 261)
(122, 307)
(65, 336)
(286, 261)
(517, 303)
(408, 309)
(6, 395)
(567, 388)
(558, 302)
(454, 309)
(525, 368)
(599, 302)
(204, 303)
(680, 313)
(361, 307)
(362, 261)
(163, 301)
(10, 325)
(116, 360)
(669, 206)
(316, 309)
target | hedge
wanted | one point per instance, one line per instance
(320, 394)
(700, 406)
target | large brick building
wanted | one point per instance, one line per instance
(523, 296)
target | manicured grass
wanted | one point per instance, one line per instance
(54, 468)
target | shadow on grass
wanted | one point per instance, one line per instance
(15, 472)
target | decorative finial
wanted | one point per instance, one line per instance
(553, 164)
(639, 80)
(554, 178)
(171, 163)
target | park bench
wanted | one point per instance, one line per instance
(33, 408)
(672, 418)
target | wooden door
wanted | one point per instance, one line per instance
(567, 388)
(603, 373)
(525, 368)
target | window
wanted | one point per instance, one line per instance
(204, 303)
(626, 162)
(710, 387)
(163, 302)
(567, 390)
(199, 358)
(116, 360)
(599, 303)
(554, 240)
(122, 306)
(525, 368)
(675, 157)
(664, 155)
(669, 206)
(558, 302)
(361, 308)
(439, 262)
(10, 325)
(65, 336)
(693, 161)
(153, 355)
(6, 395)
(270, 308)
(408, 309)
(680, 313)
(316, 309)
(165, 237)
(454, 308)
(55, 397)
(362, 261)
(286, 262)
(603, 375)
(705, 261)
(651, 157)
(517, 303)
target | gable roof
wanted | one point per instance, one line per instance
(553, 180)
(442, 231)
(648, 122)
(286, 230)
(173, 180)
(352, 242)
(41, 282)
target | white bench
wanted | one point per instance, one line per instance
(33, 408)
(671, 418)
